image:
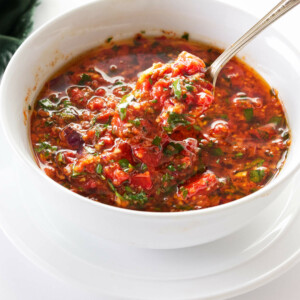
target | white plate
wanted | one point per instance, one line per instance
(231, 266)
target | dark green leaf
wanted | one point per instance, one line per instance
(224, 117)
(156, 141)
(217, 151)
(115, 47)
(248, 113)
(173, 148)
(189, 87)
(175, 119)
(84, 79)
(185, 36)
(171, 168)
(125, 164)
(118, 82)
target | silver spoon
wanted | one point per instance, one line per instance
(280, 9)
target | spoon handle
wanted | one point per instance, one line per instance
(280, 9)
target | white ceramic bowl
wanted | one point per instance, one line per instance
(51, 46)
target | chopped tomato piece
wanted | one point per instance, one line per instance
(150, 156)
(187, 63)
(204, 184)
(114, 172)
(142, 180)
(96, 103)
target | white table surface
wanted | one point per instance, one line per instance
(20, 279)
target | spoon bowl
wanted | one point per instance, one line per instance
(279, 10)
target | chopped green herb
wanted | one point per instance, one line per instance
(112, 187)
(258, 162)
(173, 148)
(99, 169)
(125, 164)
(197, 127)
(141, 166)
(128, 189)
(75, 173)
(276, 119)
(136, 122)
(257, 175)
(177, 88)
(167, 177)
(46, 104)
(125, 101)
(97, 133)
(171, 168)
(93, 121)
(45, 146)
(60, 158)
(115, 47)
(239, 155)
(109, 39)
(67, 115)
(248, 113)
(185, 36)
(175, 119)
(150, 80)
(154, 101)
(140, 198)
(156, 141)
(66, 103)
(224, 117)
(84, 79)
(48, 123)
(181, 166)
(29, 107)
(118, 82)
(217, 151)
(184, 192)
(189, 87)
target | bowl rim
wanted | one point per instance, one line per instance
(148, 214)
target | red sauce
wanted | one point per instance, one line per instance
(158, 140)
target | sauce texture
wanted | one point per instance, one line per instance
(134, 124)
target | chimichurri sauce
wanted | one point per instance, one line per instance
(158, 140)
